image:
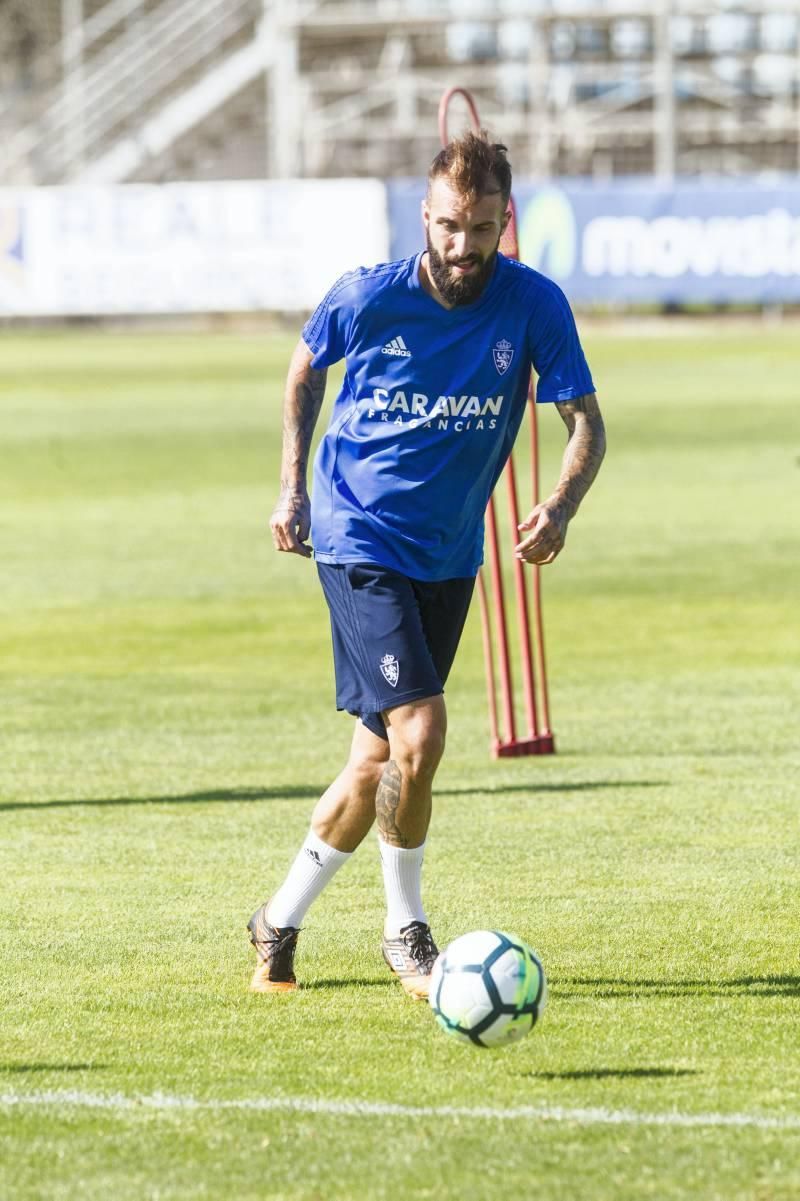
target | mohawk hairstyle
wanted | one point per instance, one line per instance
(473, 166)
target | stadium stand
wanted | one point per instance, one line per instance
(114, 90)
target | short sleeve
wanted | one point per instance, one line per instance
(555, 349)
(327, 330)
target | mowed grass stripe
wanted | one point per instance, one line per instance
(596, 1116)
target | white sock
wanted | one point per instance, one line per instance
(314, 867)
(402, 880)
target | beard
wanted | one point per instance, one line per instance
(460, 289)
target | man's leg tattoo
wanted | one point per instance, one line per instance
(387, 800)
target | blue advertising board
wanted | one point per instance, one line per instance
(637, 241)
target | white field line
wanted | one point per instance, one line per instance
(119, 1103)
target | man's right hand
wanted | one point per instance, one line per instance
(291, 522)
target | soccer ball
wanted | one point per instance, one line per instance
(488, 988)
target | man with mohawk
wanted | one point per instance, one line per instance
(438, 351)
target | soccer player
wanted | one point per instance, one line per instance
(438, 350)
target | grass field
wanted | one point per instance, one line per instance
(167, 723)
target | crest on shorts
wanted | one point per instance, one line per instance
(502, 354)
(390, 670)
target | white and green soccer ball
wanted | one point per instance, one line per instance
(488, 988)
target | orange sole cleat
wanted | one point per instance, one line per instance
(275, 949)
(411, 957)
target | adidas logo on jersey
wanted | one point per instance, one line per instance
(397, 347)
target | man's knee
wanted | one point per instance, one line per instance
(368, 771)
(369, 755)
(417, 735)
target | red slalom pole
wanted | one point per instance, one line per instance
(521, 587)
(506, 685)
(488, 659)
(538, 740)
(546, 734)
(444, 105)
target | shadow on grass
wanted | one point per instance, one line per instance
(360, 982)
(613, 1074)
(233, 795)
(25, 1068)
(533, 788)
(283, 792)
(738, 986)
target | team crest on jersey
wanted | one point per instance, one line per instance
(390, 670)
(502, 354)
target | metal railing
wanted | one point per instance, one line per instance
(115, 82)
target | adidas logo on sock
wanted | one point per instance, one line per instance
(315, 855)
(397, 347)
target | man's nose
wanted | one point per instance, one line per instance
(462, 244)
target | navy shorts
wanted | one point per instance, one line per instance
(394, 638)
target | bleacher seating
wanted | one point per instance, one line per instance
(165, 89)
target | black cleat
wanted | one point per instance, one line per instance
(275, 949)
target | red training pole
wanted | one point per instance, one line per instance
(539, 740)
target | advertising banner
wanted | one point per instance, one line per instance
(278, 246)
(185, 247)
(639, 242)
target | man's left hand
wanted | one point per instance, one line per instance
(548, 525)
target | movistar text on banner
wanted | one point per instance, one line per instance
(639, 242)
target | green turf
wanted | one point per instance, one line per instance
(166, 724)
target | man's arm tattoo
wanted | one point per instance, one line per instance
(305, 390)
(584, 453)
(387, 800)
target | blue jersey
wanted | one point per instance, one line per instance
(431, 402)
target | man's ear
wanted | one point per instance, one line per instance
(426, 213)
(505, 221)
